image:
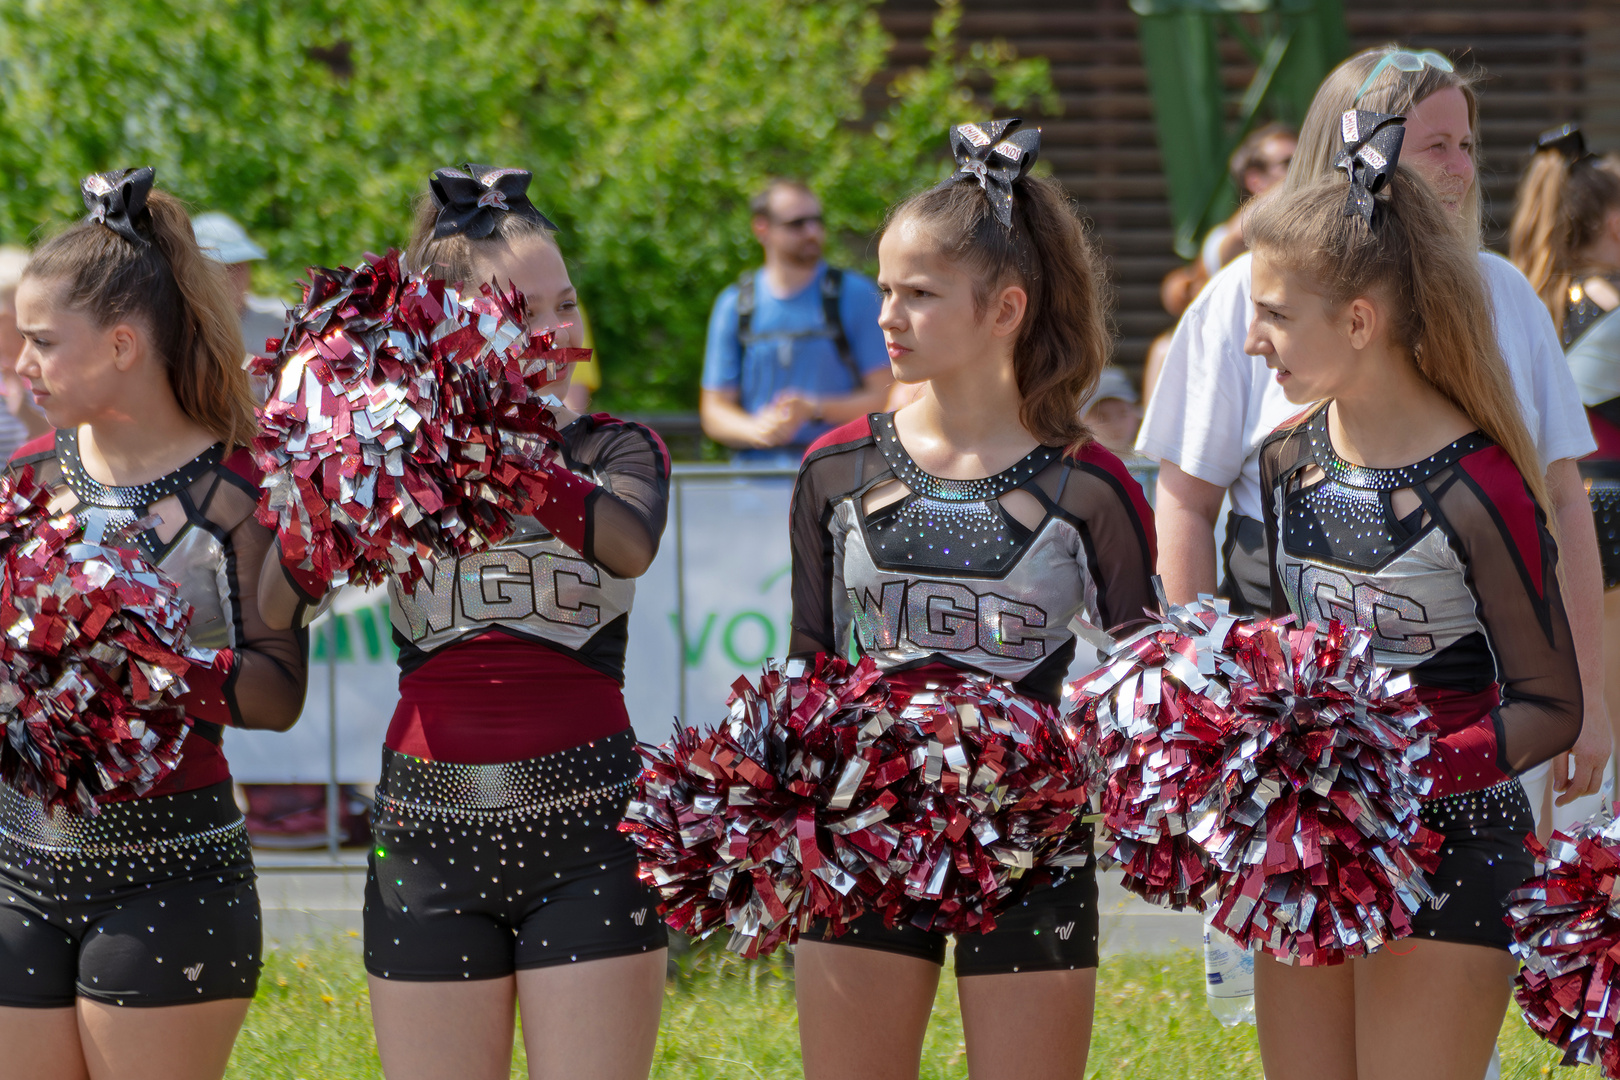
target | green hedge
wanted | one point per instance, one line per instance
(647, 125)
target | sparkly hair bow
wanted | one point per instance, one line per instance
(1568, 141)
(995, 154)
(472, 198)
(1372, 146)
(117, 200)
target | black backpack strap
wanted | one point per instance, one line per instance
(745, 308)
(832, 289)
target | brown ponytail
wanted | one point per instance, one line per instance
(1559, 210)
(1426, 274)
(1064, 341)
(180, 295)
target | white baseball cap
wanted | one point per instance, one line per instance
(223, 240)
(1113, 383)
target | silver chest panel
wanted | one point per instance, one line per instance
(1005, 626)
(533, 583)
(1414, 605)
(196, 563)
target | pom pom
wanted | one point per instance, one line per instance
(834, 793)
(1268, 767)
(1156, 711)
(93, 642)
(1566, 930)
(402, 423)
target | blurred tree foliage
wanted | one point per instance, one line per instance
(647, 125)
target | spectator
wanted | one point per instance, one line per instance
(794, 347)
(1176, 293)
(1258, 164)
(1114, 412)
(224, 241)
(19, 420)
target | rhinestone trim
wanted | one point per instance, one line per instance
(122, 502)
(1370, 479)
(929, 486)
(136, 827)
(391, 805)
(594, 772)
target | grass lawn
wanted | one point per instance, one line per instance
(725, 1018)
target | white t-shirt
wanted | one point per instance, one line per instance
(1215, 404)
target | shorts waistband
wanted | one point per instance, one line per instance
(593, 772)
(131, 827)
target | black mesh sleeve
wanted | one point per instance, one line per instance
(1117, 524)
(618, 524)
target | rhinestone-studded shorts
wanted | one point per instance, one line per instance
(480, 870)
(1605, 496)
(151, 902)
(1054, 928)
(1482, 859)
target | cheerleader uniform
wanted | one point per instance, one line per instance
(1462, 593)
(946, 580)
(152, 901)
(1601, 468)
(510, 760)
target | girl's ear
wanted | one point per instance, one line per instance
(1008, 312)
(1362, 322)
(126, 345)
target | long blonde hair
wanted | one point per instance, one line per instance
(1426, 276)
(1394, 91)
(1559, 210)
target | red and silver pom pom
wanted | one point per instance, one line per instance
(1156, 711)
(1566, 930)
(1321, 850)
(93, 643)
(402, 423)
(832, 793)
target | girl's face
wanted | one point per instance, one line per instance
(1438, 144)
(535, 266)
(1315, 352)
(928, 317)
(75, 369)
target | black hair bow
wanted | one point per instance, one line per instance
(1568, 141)
(117, 200)
(1372, 146)
(472, 198)
(995, 154)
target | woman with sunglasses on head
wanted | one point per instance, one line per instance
(497, 872)
(1216, 405)
(130, 940)
(1565, 236)
(1410, 503)
(964, 533)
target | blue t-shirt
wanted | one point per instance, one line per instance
(775, 363)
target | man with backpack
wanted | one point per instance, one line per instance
(794, 347)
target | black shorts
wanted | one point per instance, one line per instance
(1053, 928)
(1482, 859)
(482, 870)
(1605, 495)
(151, 902)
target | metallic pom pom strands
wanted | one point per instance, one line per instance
(830, 792)
(1280, 757)
(403, 423)
(1566, 930)
(93, 643)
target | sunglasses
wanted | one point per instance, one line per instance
(1403, 61)
(800, 222)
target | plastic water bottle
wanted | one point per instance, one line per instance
(1228, 978)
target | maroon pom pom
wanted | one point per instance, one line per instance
(1566, 930)
(402, 423)
(95, 653)
(834, 793)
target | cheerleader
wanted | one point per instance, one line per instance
(964, 533)
(498, 872)
(1411, 504)
(1565, 236)
(130, 940)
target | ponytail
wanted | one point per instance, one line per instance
(177, 293)
(1064, 340)
(1426, 275)
(1559, 210)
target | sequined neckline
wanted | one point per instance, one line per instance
(1370, 479)
(929, 486)
(134, 496)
